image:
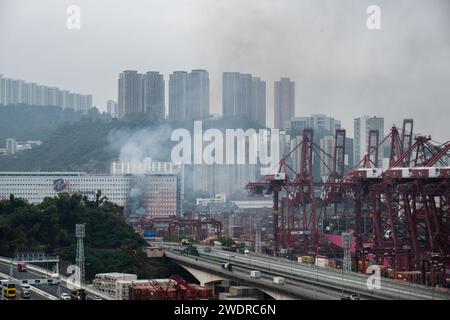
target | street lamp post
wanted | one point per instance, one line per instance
(317, 273)
(291, 270)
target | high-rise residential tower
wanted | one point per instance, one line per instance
(178, 95)
(244, 95)
(154, 94)
(230, 89)
(284, 104)
(198, 95)
(111, 108)
(189, 95)
(258, 112)
(2, 90)
(130, 96)
(362, 127)
(141, 93)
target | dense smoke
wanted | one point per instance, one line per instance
(135, 145)
(138, 144)
(136, 205)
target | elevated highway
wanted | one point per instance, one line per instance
(49, 292)
(302, 281)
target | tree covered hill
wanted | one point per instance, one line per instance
(79, 146)
(32, 122)
(50, 227)
(90, 143)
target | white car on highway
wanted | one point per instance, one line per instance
(65, 296)
(25, 286)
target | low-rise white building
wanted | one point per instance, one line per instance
(106, 282)
(117, 285)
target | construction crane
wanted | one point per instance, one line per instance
(132, 252)
(184, 290)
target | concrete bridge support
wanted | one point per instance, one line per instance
(202, 276)
(207, 277)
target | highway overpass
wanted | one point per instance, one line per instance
(302, 281)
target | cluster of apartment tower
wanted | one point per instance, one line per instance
(189, 96)
(15, 92)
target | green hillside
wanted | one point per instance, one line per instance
(90, 143)
(31, 122)
(50, 227)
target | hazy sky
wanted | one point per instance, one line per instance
(340, 67)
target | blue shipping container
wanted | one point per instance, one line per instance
(149, 233)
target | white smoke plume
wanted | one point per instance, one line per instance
(137, 144)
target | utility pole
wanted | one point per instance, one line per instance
(258, 236)
(80, 234)
(230, 224)
(59, 284)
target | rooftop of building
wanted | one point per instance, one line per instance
(253, 204)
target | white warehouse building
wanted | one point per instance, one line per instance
(151, 194)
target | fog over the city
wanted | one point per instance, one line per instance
(340, 67)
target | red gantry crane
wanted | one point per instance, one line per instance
(407, 205)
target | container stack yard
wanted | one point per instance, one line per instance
(169, 291)
(229, 290)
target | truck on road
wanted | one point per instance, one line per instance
(278, 280)
(78, 294)
(255, 274)
(206, 249)
(55, 279)
(22, 267)
(227, 266)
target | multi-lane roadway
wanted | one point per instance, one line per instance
(325, 280)
(41, 291)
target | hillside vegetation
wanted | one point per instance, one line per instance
(50, 227)
(90, 143)
(31, 122)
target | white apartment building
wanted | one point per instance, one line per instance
(13, 92)
(11, 146)
(151, 194)
(112, 108)
(316, 122)
(147, 165)
(362, 127)
(326, 164)
(117, 285)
